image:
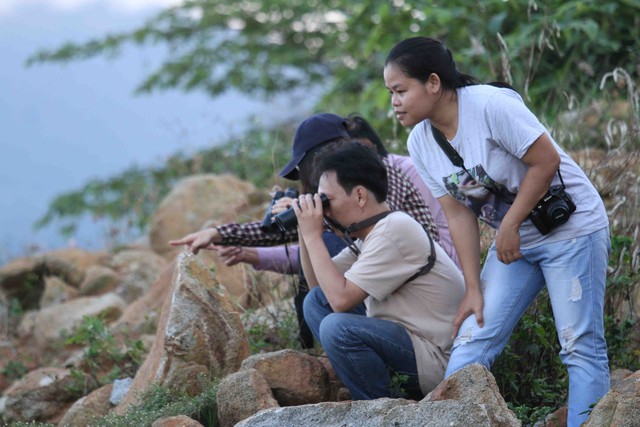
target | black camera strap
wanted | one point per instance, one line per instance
(346, 236)
(458, 161)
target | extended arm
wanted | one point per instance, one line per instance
(466, 239)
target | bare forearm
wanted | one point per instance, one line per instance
(466, 239)
(542, 161)
(307, 267)
(333, 283)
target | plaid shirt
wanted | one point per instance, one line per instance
(402, 195)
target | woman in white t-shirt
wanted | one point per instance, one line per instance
(510, 162)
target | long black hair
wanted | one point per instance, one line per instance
(358, 127)
(419, 57)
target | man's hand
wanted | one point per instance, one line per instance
(232, 255)
(310, 214)
(202, 239)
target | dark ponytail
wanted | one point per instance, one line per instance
(418, 57)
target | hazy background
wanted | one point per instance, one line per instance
(61, 125)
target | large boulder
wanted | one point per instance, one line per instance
(199, 334)
(620, 407)
(241, 395)
(295, 378)
(359, 413)
(475, 384)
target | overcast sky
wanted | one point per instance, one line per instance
(8, 7)
(63, 125)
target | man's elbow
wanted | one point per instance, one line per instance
(341, 305)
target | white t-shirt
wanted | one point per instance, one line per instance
(495, 130)
(395, 249)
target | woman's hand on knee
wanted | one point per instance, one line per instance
(472, 303)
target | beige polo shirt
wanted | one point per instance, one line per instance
(394, 250)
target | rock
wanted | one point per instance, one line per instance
(177, 421)
(94, 405)
(141, 316)
(47, 325)
(199, 332)
(359, 413)
(295, 378)
(242, 394)
(98, 280)
(138, 271)
(71, 264)
(620, 407)
(45, 394)
(119, 390)
(443, 413)
(56, 291)
(475, 384)
(23, 278)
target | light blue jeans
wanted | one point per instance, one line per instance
(364, 351)
(574, 272)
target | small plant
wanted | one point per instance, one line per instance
(159, 402)
(101, 350)
(14, 370)
(396, 386)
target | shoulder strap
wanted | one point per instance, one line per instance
(448, 149)
(431, 260)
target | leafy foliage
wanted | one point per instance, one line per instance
(553, 51)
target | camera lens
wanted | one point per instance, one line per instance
(558, 213)
(287, 220)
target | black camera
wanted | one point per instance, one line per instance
(286, 220)
(552, 210)
(267, 224)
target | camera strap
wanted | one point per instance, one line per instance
(458, 161)
(346, 236)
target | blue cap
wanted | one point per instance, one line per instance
(314, 131)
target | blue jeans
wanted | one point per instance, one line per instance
(574, 272)
(364, 351)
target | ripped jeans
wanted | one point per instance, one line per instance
(574, 272)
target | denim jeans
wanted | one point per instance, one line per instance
(364, 351)
(574, 272)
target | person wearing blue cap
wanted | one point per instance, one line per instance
(312, 136)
